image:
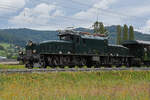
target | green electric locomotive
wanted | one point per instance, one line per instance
(77, 49)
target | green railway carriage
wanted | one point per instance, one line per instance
(79, 49)
(117, 50)
(139, 49)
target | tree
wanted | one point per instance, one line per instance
(96, 27)
(125, 32)
(131, 33)
(99, 28)
(118, 35)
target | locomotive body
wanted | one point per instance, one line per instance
(79, 49)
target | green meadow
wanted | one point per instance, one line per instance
(112, 85)
(2, 66)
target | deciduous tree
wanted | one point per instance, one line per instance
(118, 34)
(125, 32)
(131, 33)
(99, 28)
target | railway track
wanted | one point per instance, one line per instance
(70, 70)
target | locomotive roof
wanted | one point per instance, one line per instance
(85, 36)
(50, 41)
(117, 46)
(93, 37)
(137, 42)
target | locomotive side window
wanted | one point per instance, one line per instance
(49, 47)
(66, 38)
(63, 38)
(78, 40)
(148, 48)
(145, 49)
(84, 42)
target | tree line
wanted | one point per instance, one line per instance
(124, 33)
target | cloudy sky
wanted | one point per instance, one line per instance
(59, 14)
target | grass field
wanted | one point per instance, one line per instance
(114, 85)
(2, 66)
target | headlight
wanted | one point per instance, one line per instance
(30, 43)
(34, 51)
(20, 52)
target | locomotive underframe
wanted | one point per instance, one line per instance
(72, 60)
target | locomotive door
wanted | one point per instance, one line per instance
(77, 45)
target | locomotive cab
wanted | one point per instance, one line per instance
(31, 48)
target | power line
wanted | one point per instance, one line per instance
(7, 7)
(108, 14)
(76, 19)
(106, 10)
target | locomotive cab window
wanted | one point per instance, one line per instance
(84, 42)
(66, 38)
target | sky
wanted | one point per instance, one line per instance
(60, 14)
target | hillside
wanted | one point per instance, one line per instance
(21, 36)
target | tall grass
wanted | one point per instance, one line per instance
(114, 85)
(2, 66)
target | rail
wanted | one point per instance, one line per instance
(71, 70)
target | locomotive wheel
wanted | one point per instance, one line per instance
(56, 61)
(66, 61)
(29, 66)
(43, 65)
(83, 61)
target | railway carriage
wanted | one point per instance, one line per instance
(140, 50)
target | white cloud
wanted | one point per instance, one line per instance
(104, 3)
(146, 28)
(98, 10)
(10, 6)
(137, 10)
(43, 9)
(41, 15)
